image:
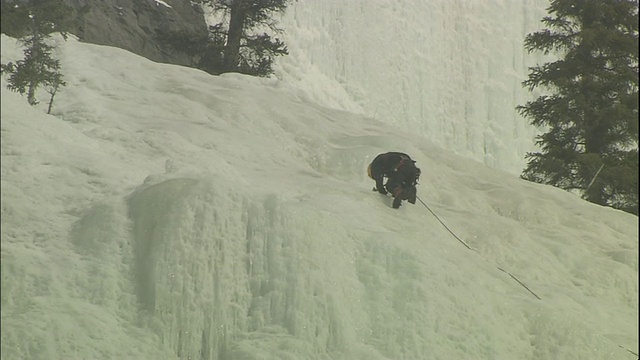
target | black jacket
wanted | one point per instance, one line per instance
(399, 168)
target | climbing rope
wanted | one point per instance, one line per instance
(469, 247)
(445, 226)
(636, 354)
(499, 268)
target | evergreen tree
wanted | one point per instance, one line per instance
(590, 111)
(38, 68)
(243, 50)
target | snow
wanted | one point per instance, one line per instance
(163, 213)
(160, 2)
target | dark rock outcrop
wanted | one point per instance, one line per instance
(149, 28)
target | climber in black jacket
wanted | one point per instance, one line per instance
(402, 175)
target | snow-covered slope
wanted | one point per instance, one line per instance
(162, 213)
(448, 70)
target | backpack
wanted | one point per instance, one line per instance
(409, 168)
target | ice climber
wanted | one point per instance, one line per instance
(402, 175)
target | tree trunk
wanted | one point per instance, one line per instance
(53, 93)
(31, 94)
(33, 83)
(234, 36)
(595, 191)
(35, 56)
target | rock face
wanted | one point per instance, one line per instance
(161, 31)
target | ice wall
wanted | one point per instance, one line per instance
(223, 276)
(162, 213)
(450, 71)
